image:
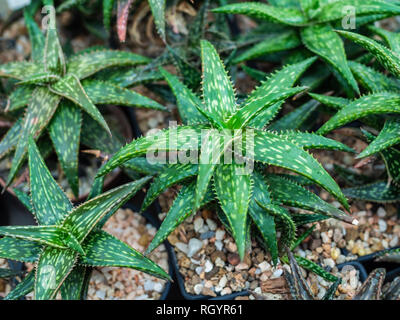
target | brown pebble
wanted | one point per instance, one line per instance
(208, 292)
(218, 254)
(233, 259)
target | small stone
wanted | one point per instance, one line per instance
(182, 247)
(194, 246)
(208, 266)
(184, 262)
(341, 259)
(158, 287)
(335, 253)
(218, 254)
(207, 235)
(199, 270)
(277, 273)
(394, 241)
(260, 257)
(264, 266)
(220, 234)
(325, 238)
(321, 293)
(219, 262)
(226, 291)
(148, 285)
(219, 245)
(198, 288)
(211, 224)
(329, 262)
(198, 224)
(242, 266)
(101, 294)
(381, 212)
(232, 247)
(233, 259)
(222, 282)
(382, 225)
(208, 292)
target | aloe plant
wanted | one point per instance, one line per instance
(311, 24)
(244, 196)
(382, 98)
(67, 239)
(371, 289)
(54, 91)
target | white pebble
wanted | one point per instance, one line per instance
(394, 241)
(211, 224)
(382, 225)
(264, 266)
(198, 288)
(158, 287)
(194, 246)
(148, 285)
(199, 270)
(381, 212)
(325, 238)
(198, 224)
(226, 291)
(219, 262)
(321, 293)
(329, 262)
(219, 245)
(223, 281)
(208, 266)
(277, 273)
(220, 234)
(101, 294)
(182, 247)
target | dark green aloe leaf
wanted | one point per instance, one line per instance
(317, 269)
(283, 15)
(172, 175)
(108, 6)
(104, 250)
(296, 118)
(254, 73)
(143, 166)
(373, 80)
(273, 43)
(336, 103)
(301, 219)
(292, 194)
(84, 65)
(389, 59)
(25, 199)
(19, 250)
(36, 37)
(53, 267)
(388, 137)
(181, 209)
(219, 97)
(330, 293)
(65, 130)
(158, 9)
(49, 201)
(20, 97)
(81, 220)
(73, 286)
(381, 192)
(100, 92)
(272, 149)
(38, 115)
(378, 103)
(23, 288)
(71, 88)
(324, 42)
(187, 101)
(191, 76)
(391, 38)
(54, 60)
(10, 140)
(41, 78)
(20, 70)
(49, 235)
(233, 188)
(303, 237)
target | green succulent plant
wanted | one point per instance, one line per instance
(67, 239)
(371, 289)
(310, 23)
(244, 197)
(54, 91)
(378, 109)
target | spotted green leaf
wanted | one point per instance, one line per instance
(158, 9)
(71, 88)
(23, 288)
(86, 64)
(174, 174)
(324, 42)
(233, 187)
(73, 286)
(180, 210)
(391, 38)
(39, 112)
(283, 15)
(41, 78)
(100, 92)
(381, 192)
(20, 97)
(19, 70)
(19, 250)
(10, 139)
(273, 150)
(36, 37)
(49, 202)
(81, 220)
(65, 131)
(389, 59)
(379, 103)
(54, 60)
(336, 103)
(25, 199)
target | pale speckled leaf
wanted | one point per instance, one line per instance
(104, 250)
(272, 149)
(73, 286)
(335, 103)
(219, 96)
(100, 92)
(378, 103)
(25, 199)
(54, 60)
(234, 188)
(71, 88)
(38, 114)
(181, 209)
(324, 42)
(158, 9)
(49, 201)
(20, 97)
(36, 37)
(23, 288)
(381, 192)
(19, 250)
(64, 131)
(172, 175)
(81, 220)
(52, 269)
(86, 64)
(19, 70)
(391, 38)
(186, 100)
(10, 139)
(283, 15)
(389, 59)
